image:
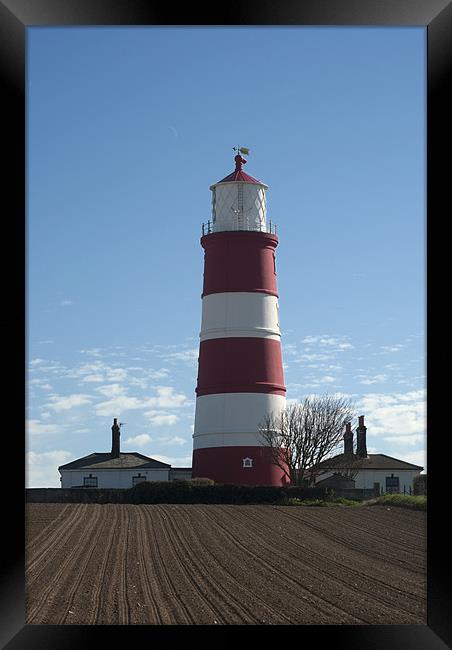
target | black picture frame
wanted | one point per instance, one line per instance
(15, 17)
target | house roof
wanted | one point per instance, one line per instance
(372, 461)
(106, 461)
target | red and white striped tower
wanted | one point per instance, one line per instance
(240, 373)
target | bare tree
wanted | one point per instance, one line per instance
(305, 433)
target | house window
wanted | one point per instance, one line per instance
(247, 462)
(90, 481)
(392, 483)
(138, 479)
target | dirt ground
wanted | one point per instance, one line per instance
(211, 564)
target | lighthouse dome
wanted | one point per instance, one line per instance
(239, 201)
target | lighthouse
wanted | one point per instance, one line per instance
(240, 375)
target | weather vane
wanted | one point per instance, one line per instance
(243, 150)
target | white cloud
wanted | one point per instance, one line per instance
(111, 390)
(387, 349)
(116, 374)
(325, 340)
(417, 458)
(35, 427)
(42, 468)
(289, 349)
(97, 371)
(376, 379)
(189, 356)
(64, 403)
(410, 439)
(66, 303)
(398, 413)
(118, 405)
(314, 357)
(175, 440)
(175, 461)
(93, 378)
(139, 441)
(162, 419)
(36, 361)
(167, 398)
(328, 379)
(93, 352)
(41, 383)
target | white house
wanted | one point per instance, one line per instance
(379, 472)
(117, 469)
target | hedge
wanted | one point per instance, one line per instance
(176, 492)
(191, 492)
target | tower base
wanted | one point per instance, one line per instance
(238, 466)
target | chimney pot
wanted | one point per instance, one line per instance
(115, 439)
(361, 445)
(348, 439)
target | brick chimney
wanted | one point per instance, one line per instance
(348, 439)
(115, 433)
(361, 447)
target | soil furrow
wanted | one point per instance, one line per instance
(81, 567)
(220, 600)
(224, 564)
(207, 541)
(111, 520)
(274, 565)
(33, 540)
(361, 589)
(392, 549)
(145, 563)
(367, 583)
(124, 599)
(55, 588)
(195, 592)
(166, 557)
(57, 537)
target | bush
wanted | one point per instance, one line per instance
(420, 484)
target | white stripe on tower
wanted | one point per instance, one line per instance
(239, 314)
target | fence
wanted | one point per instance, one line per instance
(242, 224)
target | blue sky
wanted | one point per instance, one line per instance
(126, 130)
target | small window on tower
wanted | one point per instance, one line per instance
(247, 462)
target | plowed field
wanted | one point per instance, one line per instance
(210, 564)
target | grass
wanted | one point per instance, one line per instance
(400, 501)
(323, 503)
(396, 500)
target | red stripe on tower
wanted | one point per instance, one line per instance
(239, 261)
(240, 373)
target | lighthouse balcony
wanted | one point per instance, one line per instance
(245, 224)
